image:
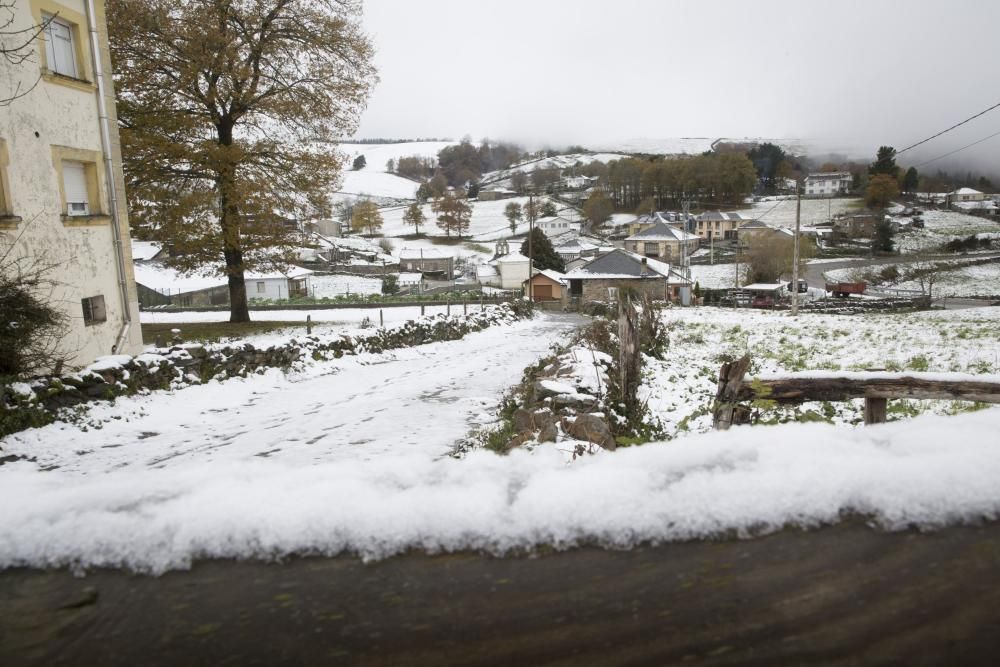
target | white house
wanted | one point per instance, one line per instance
(828, 184)
(292, 284)
(160, 285)
(61, 188)
(512, 270)
(966, 194)
(557, 225)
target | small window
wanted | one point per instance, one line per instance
(93, 309)
(60, 54)
(260, 287)
(75, 186)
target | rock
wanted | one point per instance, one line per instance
(574, 400)
(592, 429)
(549, 433)
(546, 387)
(522, 420)
(519, 440)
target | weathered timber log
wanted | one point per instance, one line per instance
(792, 389)
(727, 409)
(875, 410)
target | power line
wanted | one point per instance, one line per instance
(950, 129)
(958, 149)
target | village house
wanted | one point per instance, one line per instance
(754, 232)
(966, 195)
(496, 194)
(717, 225)
(434, 262)
(62, 202)
(159, 285)
(828, 184)
(599, 279)
(663, 241)
(546, 285)
(557, 225)
(856, 225)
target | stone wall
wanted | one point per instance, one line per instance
(597, 290)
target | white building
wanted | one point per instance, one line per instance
(966, 194)
(557, 225)
(62, 200)
(828, 184)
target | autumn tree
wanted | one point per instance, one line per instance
(453, 214)
(512, 211)
(519, 182)
(438, 185)
(366, 217)
(770, 257)
(229, 113)
(598, 208)
(882, 189)
(414, 215)
(532, 210)
(543, 255)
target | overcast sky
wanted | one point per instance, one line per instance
(845, 74)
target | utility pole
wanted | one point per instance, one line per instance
(531, 256)
(795, 250)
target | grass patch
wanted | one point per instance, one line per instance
(213, 332)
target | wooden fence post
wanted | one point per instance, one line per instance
(629, 351)
(421, 310)
(875, 409)
(381, 318)
(727, 408)
(309, 324)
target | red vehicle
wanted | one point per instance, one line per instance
(846, 289)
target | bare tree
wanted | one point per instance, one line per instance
(17, 46)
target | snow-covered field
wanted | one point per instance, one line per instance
(964, 281)
(488, 222)
(681, 388)
(781, 212)
(716, 276)
(373, 180)
(349, 455)
(941, 227)
(337, 285)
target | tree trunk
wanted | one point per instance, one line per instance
(230, 222)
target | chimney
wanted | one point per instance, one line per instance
(643, 268)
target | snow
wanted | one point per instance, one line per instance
(781, 213)
(336, 285)
(145, 250)
(377, 185)
(715, 276)
(376, 155)
(164, 279)
(488, 222)
(747, 481)
(953, 280)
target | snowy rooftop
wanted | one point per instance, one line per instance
(661, 231)
(511, 258)
(162, 278)
(145, 250)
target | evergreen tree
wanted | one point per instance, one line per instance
(911, 180)
(547, 209)
(884, 234)
(359, 162)
(885, 162)
(544, 256)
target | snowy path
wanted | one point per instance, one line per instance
(416, 400)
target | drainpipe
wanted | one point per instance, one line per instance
(102, 110)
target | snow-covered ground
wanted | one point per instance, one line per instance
(941, 227)
(337, 285)
(488, 221)
(814, 211)
(716, 276)
(680, 389)
(373, 180)
(350, 455)
(978, 280)
(377, 155)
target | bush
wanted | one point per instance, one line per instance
(390, 284)
(30, 328)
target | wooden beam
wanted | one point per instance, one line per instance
(727, 409)
(875, 409)
(806, 387)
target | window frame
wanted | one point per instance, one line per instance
(76, 22)
(49, 38)
(97, 204)
(7, 218)
(95, 310)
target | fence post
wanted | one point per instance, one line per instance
(448, 304)
(381, 319)
(875, 409)
(727, 411)
(465, 306)
(309, 324)
(421, 310)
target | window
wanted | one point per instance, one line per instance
(651, 249)
(93, 309)
(60, 53)
(76, 188)
(260, 287)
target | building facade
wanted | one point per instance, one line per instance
(828, 184)
(62, 199)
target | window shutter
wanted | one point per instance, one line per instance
(75, 186)
(59, 48)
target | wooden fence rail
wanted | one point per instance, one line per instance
(876, 387)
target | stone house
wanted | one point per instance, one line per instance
(717, 225)
(61, 188)
(663, 241)
(434, 262)
(599, 279)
